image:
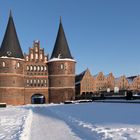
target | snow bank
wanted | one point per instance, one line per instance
(13, 123)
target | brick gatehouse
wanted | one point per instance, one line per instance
(33, 77)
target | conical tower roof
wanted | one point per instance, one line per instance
(61, 48)
(10, 46)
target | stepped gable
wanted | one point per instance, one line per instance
(10, 46)
(61, 48)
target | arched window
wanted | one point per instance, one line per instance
(42, 68)
(42, 83)
(27, 68)
(45, 81)
(3, 64)
(34, 81)
(45, 68)
(18, 65)
(38, 81)
(38, 68)
(35, 68)
(31, 68)
(31, 81)
(27, 81)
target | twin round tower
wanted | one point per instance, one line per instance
(35, 78)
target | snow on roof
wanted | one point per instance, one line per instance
(59, 59)
(36, 41)
(5, 57)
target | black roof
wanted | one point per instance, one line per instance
(132, 77)
(80, 76)
(10, 46)
(61, 48)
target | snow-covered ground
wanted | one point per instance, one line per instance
(87, 121)
(14, 123)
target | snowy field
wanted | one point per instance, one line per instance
(87, 121)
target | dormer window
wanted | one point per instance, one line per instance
(59, 56)
(9, 53)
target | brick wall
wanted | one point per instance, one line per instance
(61, 80)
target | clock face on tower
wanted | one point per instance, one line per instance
(9, 53)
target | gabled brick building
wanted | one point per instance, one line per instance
(33, 77)
(87, 84)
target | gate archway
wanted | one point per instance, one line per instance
(38, 99)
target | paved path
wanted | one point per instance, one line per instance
(45, 126)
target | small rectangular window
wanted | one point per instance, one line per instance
(3, 64)
(62, 66)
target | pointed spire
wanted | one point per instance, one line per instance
(61, 48)
(10, 15)
(60, 19)
(10, 46)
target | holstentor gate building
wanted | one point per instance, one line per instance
(33, 77)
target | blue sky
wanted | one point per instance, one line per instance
(103, 35)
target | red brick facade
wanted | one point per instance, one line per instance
(21, 79)
(33, 78)
(61, 80)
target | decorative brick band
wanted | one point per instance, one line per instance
(65, 75)
(60, 87)
(11, 74)
(12, 88)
